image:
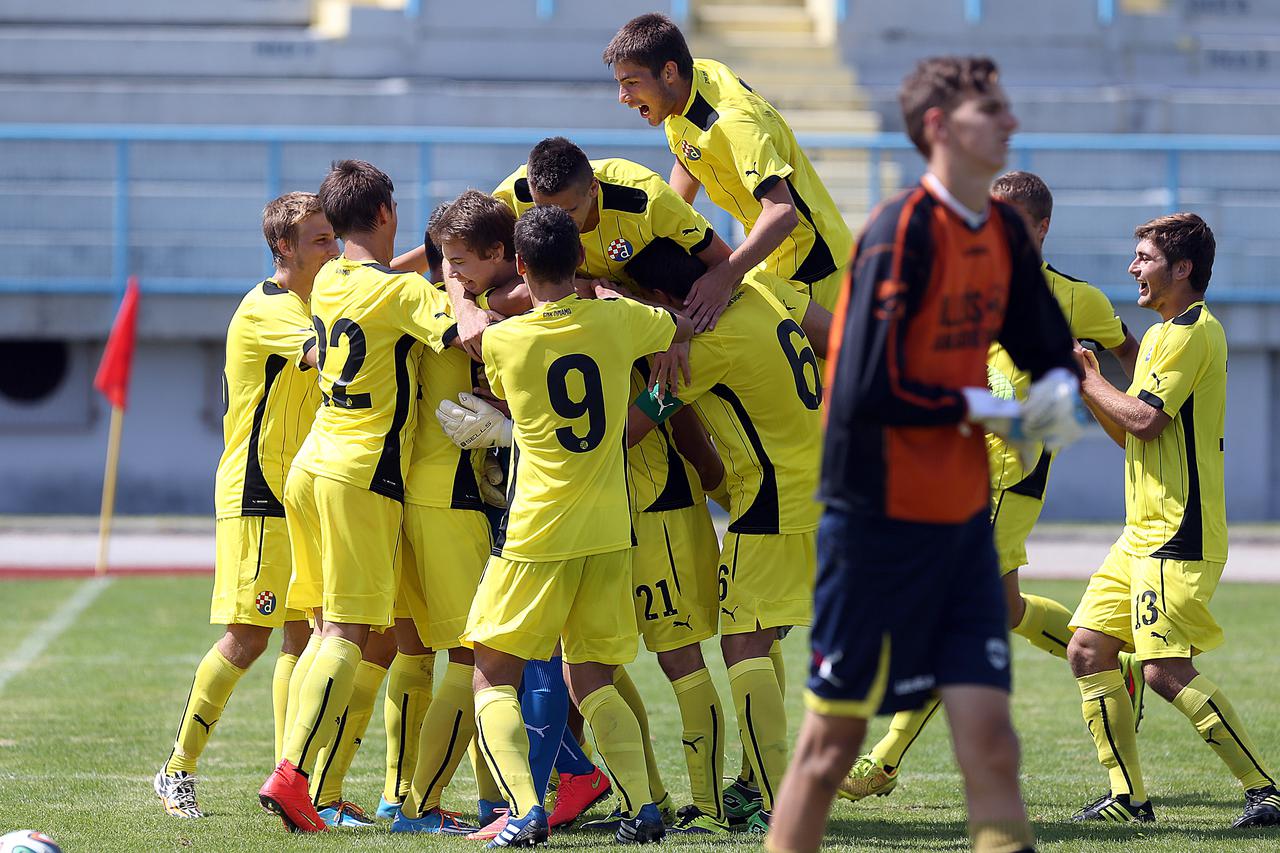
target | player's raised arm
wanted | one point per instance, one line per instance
(685, 185)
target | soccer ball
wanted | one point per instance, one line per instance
(28, 841)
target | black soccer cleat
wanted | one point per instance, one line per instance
(1261, 808)
(1116, 809)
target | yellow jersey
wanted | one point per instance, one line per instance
(269, 399)
(661, 479)
(440, 473)
(636, 207)
(757, 388)
(1175, 506)
(1092, 318)
(564, 369)
(737, 146)
(367, 320)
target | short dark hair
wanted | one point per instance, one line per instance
(281, 218)
(1028, 192)
(555, 164)
(477, 219)
(435, 257)
(942, 81)
(352, 194)
(1183, 237)
(548, 242)
(665, 265)
(652, 40)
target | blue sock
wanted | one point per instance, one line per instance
(572, 759)
(544, 703)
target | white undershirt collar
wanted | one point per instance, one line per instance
(972, 219)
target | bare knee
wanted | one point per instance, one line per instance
(678, 663)
(990, 749)
(826, 749)
(1090, 652)
(243, 644)
(1013, 600)
(1167, 676)
(296, 635)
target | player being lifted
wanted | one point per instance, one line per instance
(561, 567)
(908, 598)
(346, 487)
(1152, 592)
(732, 142)
(270, 402)
(1017, 491)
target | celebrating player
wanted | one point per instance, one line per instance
(346, 488)
(908, 597)
(1017, 491)
(1152, 592)
(270, 404)
(729, 140)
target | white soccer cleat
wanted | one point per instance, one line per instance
(178, 793)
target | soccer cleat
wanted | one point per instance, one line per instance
(1116, 809)
(490, 810)
(286, 795)
(691, 820)
(1261, 808)
(578, 793)
(178, 793)
(436, 821)
(759, 823)
(607, 823)
(387, 810)
(345, 815)
(740, 802)
(492, 829)
(1134, 684)
(528, 831)
(667, 808)
(868, 776)
(645, 828)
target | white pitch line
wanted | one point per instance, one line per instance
(48, 630)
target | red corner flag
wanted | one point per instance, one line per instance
(113, 372)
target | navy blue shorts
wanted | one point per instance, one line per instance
(902, 609)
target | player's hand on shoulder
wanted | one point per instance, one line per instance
(472, 422)
(669, 368)
(709, 296)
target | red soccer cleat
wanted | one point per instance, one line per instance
(576, 794)
(490, 832)
(286, 794)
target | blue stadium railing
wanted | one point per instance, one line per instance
(1170, 147)
(972, 10)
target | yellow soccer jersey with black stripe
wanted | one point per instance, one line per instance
(1175, 505)
(440, 473)
(1091, 317)
(757, 388)
(564, 369)
(738, 147)
(661, 479)
(636, 207)
(269, 401)
(367, 320)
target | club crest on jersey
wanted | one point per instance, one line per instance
(266, 602)
(689, 151)
(619, 250)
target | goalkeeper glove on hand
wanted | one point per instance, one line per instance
(1053, 412)
(472, 423)
(1002, 416)
(491, 477)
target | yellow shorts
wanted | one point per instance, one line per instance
(1160, 608)
(766, 581)
(1013, 518)
(251, 571)
(345, 542)
(523, 609)
(444, 556)
(673, 577)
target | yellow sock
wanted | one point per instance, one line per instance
(779, 670)
(702, 717)
(1046, 625)
(335, 760)
(324, 693)
(904, 728)
(486, 786)
(627, 690)
(280, 696)
(447, 728)
(1109, 715)
(409, 682)
(1001, 837)
(505, 746)
(762, 722)
(300, 670)
(617, 734)
(1216, 720)
(215, 678)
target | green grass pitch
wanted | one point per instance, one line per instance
(86, 725)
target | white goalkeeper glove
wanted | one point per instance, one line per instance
(992, 413)
(472, 423)
(491, 477)
(1053, 412)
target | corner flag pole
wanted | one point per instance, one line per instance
(113, 381)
